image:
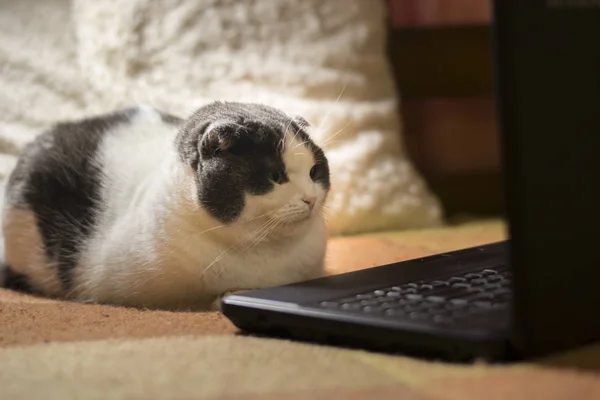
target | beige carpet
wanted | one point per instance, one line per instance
(56, 350)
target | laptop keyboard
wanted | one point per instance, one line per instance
(470, 296)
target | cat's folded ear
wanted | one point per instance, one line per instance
(216, 141)
(301, 122)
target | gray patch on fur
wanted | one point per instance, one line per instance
(170, 119)
(58, 178)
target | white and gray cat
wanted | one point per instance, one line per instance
(140, 208)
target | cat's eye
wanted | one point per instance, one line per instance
(277, 176)
(314, 172)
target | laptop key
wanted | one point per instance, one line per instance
(440, 319)
(489, 272)
(502, 291)
(460, 313)
(475, 289)
(364, 296)
(352, 299)
(417, 307)
(435, 299)
(330, 304)
(483, 304)
(369, 302)
(479, 296)
(392, 305)
(474, 310)
(417, 316)
(502, 299)
(448, 292)
(372, 310)
(395, 312)
(462, 299)
(492, 286)
(461, 285)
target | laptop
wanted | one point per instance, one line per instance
(533, 295)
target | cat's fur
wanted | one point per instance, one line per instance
(141, 208)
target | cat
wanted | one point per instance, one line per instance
(141, 208)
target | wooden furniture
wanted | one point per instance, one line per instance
(441, 52)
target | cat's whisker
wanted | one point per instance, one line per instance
(254, 238)
(257, 235)
(260, 216)
(327, 210)
(299, 144)
(252, 234)
(282, 145)
(219, 257)
(238, 125)
(331, 109)
(222, 254)
(211, 229)
(296, 135)
(252, 241)
(330, 138)
(225, 225)
(325, 146)
(285, 133)
(266, 233)
(261, 233)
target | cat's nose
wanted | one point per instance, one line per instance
(310, 200)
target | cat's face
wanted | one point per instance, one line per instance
(254, 162)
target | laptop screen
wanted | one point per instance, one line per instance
(548, 69)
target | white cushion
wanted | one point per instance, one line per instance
(324, 60)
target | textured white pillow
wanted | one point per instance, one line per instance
(322, 59)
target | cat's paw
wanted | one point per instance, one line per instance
(216, 304)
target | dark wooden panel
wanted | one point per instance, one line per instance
(442, 61)
(439, 12)
(453, 135)
(478, 193)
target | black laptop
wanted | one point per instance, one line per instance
(535, 294)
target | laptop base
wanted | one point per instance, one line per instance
(398, 308)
